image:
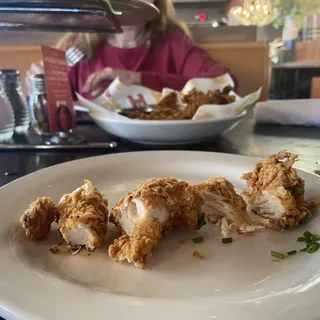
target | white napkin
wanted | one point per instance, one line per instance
(214, 111)
(97, 110)
(303, 112)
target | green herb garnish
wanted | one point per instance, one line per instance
(198, 239)
(315, 237)
(202, 222)
(311, 241)
(313, 248)
(227, 240)
(308, 235)
(277, 255)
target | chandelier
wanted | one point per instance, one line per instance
(255, 12)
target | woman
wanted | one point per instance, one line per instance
(156, 55)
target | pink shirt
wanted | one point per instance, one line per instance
(169, 63)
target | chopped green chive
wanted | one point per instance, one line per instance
(299, 191)
(277, 255)
(309, 244)
(292, 252)
(313, 248)
(308, 235)
(301, 239)
(198, 240)
(202, 222)
(304, 250)
(315, 237)
(227, 240)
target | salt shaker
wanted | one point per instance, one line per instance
(11, 93)
(38, 105)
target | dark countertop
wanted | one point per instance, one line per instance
(245, 139)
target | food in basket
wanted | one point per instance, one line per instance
(170, 109)
(277, 193)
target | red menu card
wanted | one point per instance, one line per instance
(59, 94)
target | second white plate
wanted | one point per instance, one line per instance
(168, 132)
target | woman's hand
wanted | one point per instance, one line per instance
(93, 84)
(35, 68)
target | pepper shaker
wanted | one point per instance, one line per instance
(38, 105)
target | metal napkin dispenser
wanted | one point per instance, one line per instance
(74, 15)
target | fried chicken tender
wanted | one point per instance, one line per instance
(199, 98)
(169, 101)
(84, 217)
(37, 220)
(168, 108)
(276, 192)
(224, 207)
(153, 207)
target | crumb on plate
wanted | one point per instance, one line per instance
(198, 255)
(54, 249)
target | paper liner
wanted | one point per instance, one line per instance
(119, 96)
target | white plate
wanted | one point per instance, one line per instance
(236, 281)
(169, 131)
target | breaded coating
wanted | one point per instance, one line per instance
(169, 109)
(84, 217)
(37, 220)
(276, 192)
(138, 248)
(153, 207)
(224, 207)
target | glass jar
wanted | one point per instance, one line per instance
(11, 93)
(38, 105)
(6, 120)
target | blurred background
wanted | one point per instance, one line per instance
(275, 41)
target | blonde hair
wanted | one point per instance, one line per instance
(157, 29)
